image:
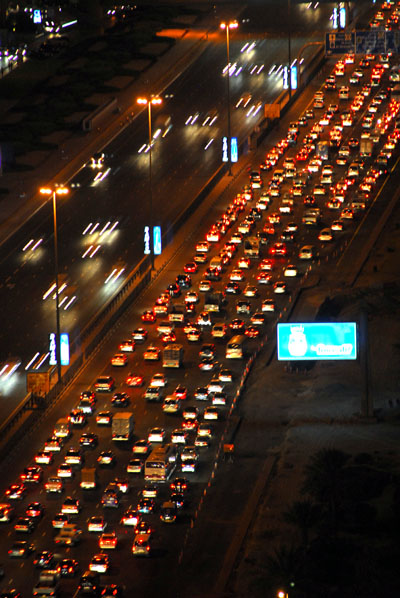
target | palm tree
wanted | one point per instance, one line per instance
(323, 477)
(303, 514)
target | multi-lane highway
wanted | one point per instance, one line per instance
(101, 222)
(155, 575)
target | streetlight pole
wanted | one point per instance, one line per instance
(227, 27)
(149, 102)
(54, 192)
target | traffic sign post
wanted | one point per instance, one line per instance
(377, 41)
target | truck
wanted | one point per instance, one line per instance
(47, 584)
(62, 428)
(177, 313)
(88, 478)
(69, 535)
(252, 247)
(122, 426)
(214, 301)
(366, 147)
(322, 150)
(172, 356)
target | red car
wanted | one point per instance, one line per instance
(149, 316)
(278, 249)
(134, 380)
(252, 332)
(190, 268)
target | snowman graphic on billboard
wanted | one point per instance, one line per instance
(297, 344)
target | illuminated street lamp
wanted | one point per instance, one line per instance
(282, 594)
(228, 26)
(152, 101)
(56, 190)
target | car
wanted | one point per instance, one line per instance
(24, 525)
(251, 332)
(104, 418)
(104, 384)
(32, 474)
(59, 520)
(74, 456)
(86, 406)
(141, 545)
(307, 252)
(190, 268)
(130, 518)
(201, 393)
(65, 471)
(243, 307)
(191, 297)
(108, 541)
(145, 506)
(264, 278)
(236, 324)
(290, 270)
(100, 563)
(278, 249)
(219, 330)
(211, 413)
(106, 458)
(184, 281)
(127, 346)
(43, 559)
(141, 447)
(6, 512)
(152, 353)
(171, 404)
(77, 418)
(97, 524)
(120, 399)
(337, 225)
(153, 393)
(71, 506)
(250, 291)
(44, 458)
(112, 591)
(207, 364)
(54, 485)
(205, 286)
(53, 445)
(15, 492)
(233, 288)
(180, 392)
(89, 440)
(179, 436)
(67, 568)
(325, 235)
(134, 380)
(193, 333)
(148, 316)
(280, 287)
(119, 360)
(156, 435)
(21, 549)
(140, 334)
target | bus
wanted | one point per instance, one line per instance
(160, 464)
(236, 347)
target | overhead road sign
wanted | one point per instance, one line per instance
(317, 341)
(377, 41)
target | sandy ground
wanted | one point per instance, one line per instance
(308, 412)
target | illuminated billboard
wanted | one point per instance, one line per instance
(317, 341)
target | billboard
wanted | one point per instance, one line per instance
(317, 341)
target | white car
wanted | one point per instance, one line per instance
(268, 305)
(119, 360)
(158, 380)
(211, 413)
(325, 235)
(156, 435)
(171, 405)
(236, 275)
(306, 252)
(290, 270)
(179, 436)
(97, 524)
(280, 287)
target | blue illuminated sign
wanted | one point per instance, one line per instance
(317, 341)
(293, 77)
(157, 240)
(285, 77)
(52, 349)
(37, 16)
(335, 18)
(225, 156)
(234, 149)
(147, 250)
(64, 348)
(342, 17)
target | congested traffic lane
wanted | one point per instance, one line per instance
(87, 259)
